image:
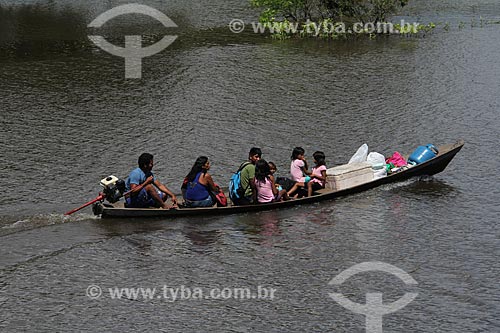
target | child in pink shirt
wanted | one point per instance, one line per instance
(298, 167)
(265, 189)
(298, 170)
(314, 180)
(318, 175)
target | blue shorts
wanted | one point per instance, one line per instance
(208, 202)
(142, 200)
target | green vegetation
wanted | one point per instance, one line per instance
(332, 18)
(336, 10)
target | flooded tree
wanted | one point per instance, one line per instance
(337, 10)
(332, 18)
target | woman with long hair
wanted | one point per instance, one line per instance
(198, 184)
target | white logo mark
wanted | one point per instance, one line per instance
(374, 309)
(133, 52)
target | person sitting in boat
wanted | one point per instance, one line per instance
(263, 185)
(284, 182)
(318, 175)
(298, 170)
(247, 174)
(145, 190)
(198, 185)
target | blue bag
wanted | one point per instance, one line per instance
(235, 190)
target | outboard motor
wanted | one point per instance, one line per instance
(113, 188)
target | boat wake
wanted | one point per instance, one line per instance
(404, 183)
(10, 225)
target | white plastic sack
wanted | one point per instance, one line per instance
(375, 158)
(360, 155)
(379, 173)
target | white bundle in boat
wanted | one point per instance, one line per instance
(377, 161)
(360, 155)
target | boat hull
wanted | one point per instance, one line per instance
(428, 168)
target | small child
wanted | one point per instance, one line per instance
(272, 168)
(298, 170)
(265, 189)
(298, 167)
(314, 180)
(281, 182)
(318, 174)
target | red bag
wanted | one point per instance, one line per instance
(396, 159)
(219, 197)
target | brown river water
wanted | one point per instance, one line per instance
(69, 118)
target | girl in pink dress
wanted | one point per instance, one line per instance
(298, 170)
(315, 179)
(265, 189)
(298, 167)
(318, 175)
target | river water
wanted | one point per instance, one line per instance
(69, 118)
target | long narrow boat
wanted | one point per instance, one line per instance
(428, 168)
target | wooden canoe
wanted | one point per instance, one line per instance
(428, 168)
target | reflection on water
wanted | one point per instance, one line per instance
(201, 238)
(428, 187)
(125, 227)
(200, 234)
(263, 228)
(47, 28)
(36, 22)
(34, 30)
(142, 245)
